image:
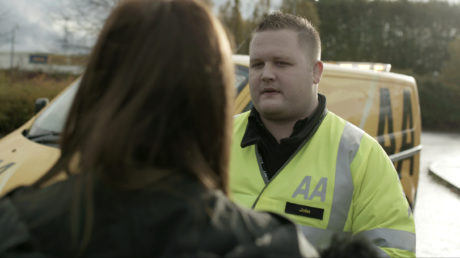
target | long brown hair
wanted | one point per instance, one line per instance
(155, 99)
(157, 93)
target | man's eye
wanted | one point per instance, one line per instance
(257, 65)
(282, 63)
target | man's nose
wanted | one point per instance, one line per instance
(268, 73)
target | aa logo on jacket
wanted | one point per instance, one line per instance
(304, 189)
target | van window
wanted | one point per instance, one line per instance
(52, 119)
(241, 77)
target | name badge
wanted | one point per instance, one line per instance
(302, 210)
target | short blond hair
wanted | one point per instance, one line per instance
(307, 34)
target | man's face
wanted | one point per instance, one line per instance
(282, 79)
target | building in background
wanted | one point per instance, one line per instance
(43, 62)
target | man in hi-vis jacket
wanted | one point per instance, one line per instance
(290, 155)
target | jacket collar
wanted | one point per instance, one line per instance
(256, 130)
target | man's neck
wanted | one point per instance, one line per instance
(279, 129)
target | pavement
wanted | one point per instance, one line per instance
(448, 170)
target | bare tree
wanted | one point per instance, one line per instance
(81, 21)
(85, 17)
(5, 32)
(90, 15)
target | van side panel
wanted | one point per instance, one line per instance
(386, 107)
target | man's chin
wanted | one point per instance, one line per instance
(271, 112)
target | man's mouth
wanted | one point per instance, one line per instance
(270, 91)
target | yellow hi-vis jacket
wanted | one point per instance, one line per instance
(339, 181)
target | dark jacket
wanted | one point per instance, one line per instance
(185, 220)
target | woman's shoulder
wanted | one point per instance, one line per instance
(13, 230)
(34, 200)
(19, 209)
(26, 206)
(259, 233)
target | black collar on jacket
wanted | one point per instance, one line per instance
(275, 154)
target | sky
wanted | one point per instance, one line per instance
(33, 26)
(38, 27)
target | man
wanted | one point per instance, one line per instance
(292, 156)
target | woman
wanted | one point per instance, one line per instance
(145, 150)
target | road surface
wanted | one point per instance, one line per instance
(437, 208)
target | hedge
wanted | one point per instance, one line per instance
(440, 105)
(18, 91)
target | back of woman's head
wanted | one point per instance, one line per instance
(156, 96)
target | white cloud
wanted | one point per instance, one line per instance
(37, 23)
(33, 25)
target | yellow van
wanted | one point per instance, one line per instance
(384, 104)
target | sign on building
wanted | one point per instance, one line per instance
(38, 59)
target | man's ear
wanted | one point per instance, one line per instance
(317, 71)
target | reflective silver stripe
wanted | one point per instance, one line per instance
(406, 154)
(343, 186)
(321, 238)
(392, 238)
(381, 253)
